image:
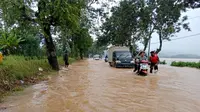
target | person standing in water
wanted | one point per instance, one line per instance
(154, 60)
(66, 59)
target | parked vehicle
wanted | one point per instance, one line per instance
(120, 57)
(96, 57)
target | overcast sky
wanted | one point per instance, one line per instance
(190, 45)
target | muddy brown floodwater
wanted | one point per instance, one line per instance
(93, 86)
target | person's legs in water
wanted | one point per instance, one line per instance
(138, 68)
(156, 67)
(66, 64)
(151, 67)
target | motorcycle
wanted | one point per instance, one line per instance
(143, 67)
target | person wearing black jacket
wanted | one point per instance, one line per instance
(66, 59)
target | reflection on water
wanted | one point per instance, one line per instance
(93, 86)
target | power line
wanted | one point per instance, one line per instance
(179, 38)
(193, 17)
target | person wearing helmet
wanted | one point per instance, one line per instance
(154, 60)
(138, 59)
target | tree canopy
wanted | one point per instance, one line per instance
(134, 21)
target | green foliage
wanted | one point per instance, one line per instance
(119, 28)
(95, 49)
(9, 42)
(134, 21)
(166, 19)
(82, 41)
(186, 64)
(191, 3)
(163, 62)
(51, 17)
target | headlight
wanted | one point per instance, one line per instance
(118, 61)
(132, 61)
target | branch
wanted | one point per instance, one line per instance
(93, 1)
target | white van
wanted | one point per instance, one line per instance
(120, 56)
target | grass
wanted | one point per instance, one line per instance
(17, 71)
(186, 64)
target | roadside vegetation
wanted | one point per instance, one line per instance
(18, 71)
(163, 62)
(186, 64)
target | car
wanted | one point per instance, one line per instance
(96, 57)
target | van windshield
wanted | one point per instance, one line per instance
(96, 56)
(123, 54)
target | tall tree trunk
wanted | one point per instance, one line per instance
(146, 41)
(51, 50)
(130, 46)
(160, 40)
(145, 44)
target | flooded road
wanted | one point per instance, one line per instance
(93, 86)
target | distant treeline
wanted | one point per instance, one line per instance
(191, 56)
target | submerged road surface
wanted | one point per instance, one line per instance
(93, 86)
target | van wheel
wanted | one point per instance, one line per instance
(110, 64)
(115, 65)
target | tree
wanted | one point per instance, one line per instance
(121, 27)
(145, 25)
(137, 20)
(166, 20)
(82, 41)
(9, 42)
(50, 15)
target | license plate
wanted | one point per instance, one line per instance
(143, 66)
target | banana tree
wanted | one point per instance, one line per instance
(9, 42)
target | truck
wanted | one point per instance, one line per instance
(120, 56)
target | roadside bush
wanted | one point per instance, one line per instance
(163, 62)
(186, 64)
